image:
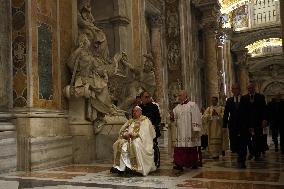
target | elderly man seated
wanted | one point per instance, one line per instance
(133, 151)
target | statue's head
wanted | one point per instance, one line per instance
(148, 63)
(84, 4)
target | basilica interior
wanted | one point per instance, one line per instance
(59, 118)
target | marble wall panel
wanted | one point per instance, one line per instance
(45, 54)
(19, 53)
(45, 62)
(5, 60)
(49, 152)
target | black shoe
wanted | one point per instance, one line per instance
(194, 167)
(177, 167)
(276, 149)
(256, 158)
(114, 170)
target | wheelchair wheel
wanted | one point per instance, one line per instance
(157, 155)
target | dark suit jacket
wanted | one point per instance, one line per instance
(151, 111)
(276, 113)
(252, 113)
(230, 117)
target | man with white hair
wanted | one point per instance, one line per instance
(133, 151)
(187, 117)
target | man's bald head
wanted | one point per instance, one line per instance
(251, 88)
(236, 89)
(182, 96)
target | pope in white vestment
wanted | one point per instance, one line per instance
(187, 119)
(134, 148)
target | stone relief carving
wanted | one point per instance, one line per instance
(92, 69)
(109, 85)
(87, 25)
(139, 80)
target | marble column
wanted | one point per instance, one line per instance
(7, 128)
(120, 22)
(211, 63)
(243, 74)
(156, 25)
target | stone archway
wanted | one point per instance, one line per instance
(272, 88)
(241, 40)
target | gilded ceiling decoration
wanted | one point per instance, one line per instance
(230, 5)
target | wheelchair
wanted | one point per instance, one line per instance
(156, 153)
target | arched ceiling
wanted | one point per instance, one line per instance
(230, 5)
(242, 40)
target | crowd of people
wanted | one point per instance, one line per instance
(240, 126)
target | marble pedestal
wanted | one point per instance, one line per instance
(106, 136)
(8, 147)
(82, 132)
(43, 140)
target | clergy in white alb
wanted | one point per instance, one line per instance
(187, 119)
(217, 140)
(134, 148)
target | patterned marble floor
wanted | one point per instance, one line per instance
(218, 174)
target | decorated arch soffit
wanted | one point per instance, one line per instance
(273, 87)
(265, 47)
(240, 41)
(258, 64)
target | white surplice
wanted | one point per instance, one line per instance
(188, 125)
(136, 154)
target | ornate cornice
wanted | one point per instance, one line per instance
(241, 40)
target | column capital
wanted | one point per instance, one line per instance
(156, 20)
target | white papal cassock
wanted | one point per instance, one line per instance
(136, 153)
(187, 119)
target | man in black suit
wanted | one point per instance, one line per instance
(275, 112)
(151, 110)
(253, 118)
(230, 117)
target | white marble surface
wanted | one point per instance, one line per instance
(9, 184)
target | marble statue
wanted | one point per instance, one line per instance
(97, 77)
(87, 25)
(138, 81)
(90, 78)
